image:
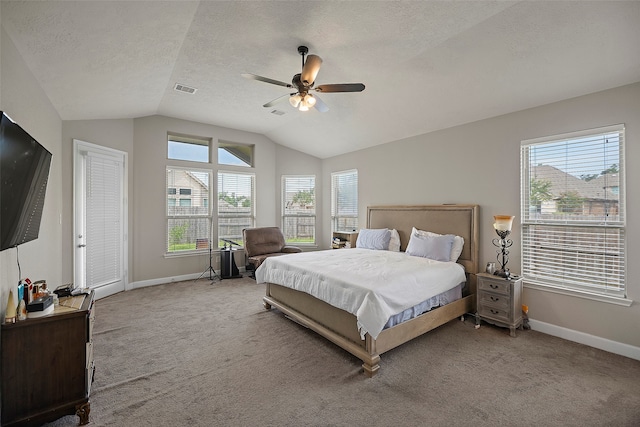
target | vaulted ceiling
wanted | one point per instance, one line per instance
(426, 65)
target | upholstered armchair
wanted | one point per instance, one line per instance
(264, 242)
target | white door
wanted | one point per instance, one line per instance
(100, 258)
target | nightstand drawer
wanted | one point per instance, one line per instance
(495, 313)
(498, 286)
(495, 300)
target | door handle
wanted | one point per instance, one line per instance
(82, 246)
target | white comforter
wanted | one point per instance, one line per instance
(372, 285)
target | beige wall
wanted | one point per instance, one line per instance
(25, 102)
(480, 163)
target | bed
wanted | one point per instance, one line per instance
(341, 327)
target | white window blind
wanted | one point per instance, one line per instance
(188, 214)
(299, 209)
(573, 211)
(236, 207)
(344, 200)
(103, 226)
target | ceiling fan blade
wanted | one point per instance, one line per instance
(341, 87)
(320, 106)
(310, 69)
(277, 100)
(266, 80)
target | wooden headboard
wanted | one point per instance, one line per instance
(460, 220)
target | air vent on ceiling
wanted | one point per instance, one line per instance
(186, 89)
(277, 112)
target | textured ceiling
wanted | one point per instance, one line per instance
(426, 65)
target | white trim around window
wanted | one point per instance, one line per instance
(573, 214)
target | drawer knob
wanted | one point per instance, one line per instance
(495, 299)
(492, 286)
(494, 311)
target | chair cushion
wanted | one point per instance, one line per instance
(259, 259)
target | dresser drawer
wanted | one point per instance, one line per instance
(495, 313)
(494, 300)
(498, 286)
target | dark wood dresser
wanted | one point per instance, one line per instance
(47, 365)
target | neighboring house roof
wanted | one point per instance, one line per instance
(562, 182)
(610, 180)
(198, 179)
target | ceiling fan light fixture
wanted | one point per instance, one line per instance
(310, 100)
(294, 100)
(304, 82)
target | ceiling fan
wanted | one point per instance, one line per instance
(303, 83)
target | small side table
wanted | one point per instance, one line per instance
(499, 301)
(344, 239)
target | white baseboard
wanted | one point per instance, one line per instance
(164, 280)
(590, 340)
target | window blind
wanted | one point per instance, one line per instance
(103, 227)
(344, 200)
(299, 209)
(573, 211)
(236, 207)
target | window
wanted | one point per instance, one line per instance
(236, 210)
(188, 148)
(188, 216)
(299, 209)
(234, 154)
(344, 201)
(573, 213)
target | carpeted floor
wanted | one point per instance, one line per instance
(195, 354)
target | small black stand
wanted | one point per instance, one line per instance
(212, 272)
(228, 267)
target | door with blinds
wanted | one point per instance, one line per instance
(99, 218)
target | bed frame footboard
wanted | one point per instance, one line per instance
(341, 333)
(370, 359)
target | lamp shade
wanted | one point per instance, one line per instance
(503, 222)
(310, 100)
(294, 100)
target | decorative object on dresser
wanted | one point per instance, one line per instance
(503, 225)
(47, 364)
(343, 327)
(344, 239)
(499, 301)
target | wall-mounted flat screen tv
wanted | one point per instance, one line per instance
(24, 171)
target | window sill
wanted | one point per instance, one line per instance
(199, 252)
(303, 246)
(580, 294)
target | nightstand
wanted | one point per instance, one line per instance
(344, 239)
(499, 301)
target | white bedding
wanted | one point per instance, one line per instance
(372, 285)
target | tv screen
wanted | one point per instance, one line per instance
(24, 171)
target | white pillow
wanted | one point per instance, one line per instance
(433, 247)
(377, 239)
(394, 242)
(458, 243)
